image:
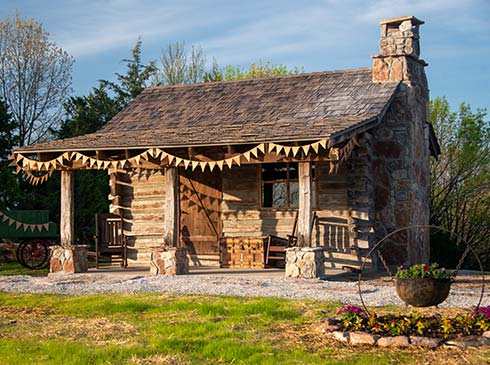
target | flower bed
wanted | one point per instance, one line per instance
(359, 327)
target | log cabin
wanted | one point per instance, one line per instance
(339, 158)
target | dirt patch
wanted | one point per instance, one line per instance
(99, 331)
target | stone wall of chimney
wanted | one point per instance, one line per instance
(401, 142)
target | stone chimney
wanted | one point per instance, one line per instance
(401, 141)
(400, 50)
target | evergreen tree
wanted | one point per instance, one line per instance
(10, 192)
(133, 82)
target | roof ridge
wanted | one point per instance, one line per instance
(251, 79)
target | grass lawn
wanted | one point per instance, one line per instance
(163, 329)
(14, 268)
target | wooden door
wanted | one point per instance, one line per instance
(200, 202)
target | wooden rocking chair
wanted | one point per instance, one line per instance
(110, 241)
(276, 246)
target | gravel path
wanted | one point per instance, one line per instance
(375, 292)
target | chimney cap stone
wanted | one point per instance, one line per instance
(400, 19)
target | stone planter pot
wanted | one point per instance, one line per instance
(422, 292)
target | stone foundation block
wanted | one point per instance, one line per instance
(305, 262)
(169, 261)
(68, 260)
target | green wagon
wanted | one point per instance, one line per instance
(35, 232)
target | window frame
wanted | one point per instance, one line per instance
(288, 191)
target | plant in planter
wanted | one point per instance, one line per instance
(423, 285)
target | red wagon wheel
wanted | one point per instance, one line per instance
(33, 254)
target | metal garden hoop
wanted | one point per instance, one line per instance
(425, 226)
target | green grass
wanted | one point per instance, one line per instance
(171, 329)
(14, 268)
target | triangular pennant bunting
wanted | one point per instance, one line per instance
(236, 160)
(194, 165)
(229, 162)
(315, 146)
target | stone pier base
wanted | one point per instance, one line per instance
(169, 261)
(68, 260)
(305, 262)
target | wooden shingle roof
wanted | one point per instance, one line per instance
(277, 109)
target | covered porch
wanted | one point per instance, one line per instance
(212, 199)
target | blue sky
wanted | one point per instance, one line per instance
(317, 35)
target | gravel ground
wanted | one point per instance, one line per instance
(374, 292)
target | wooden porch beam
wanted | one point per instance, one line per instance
(172, 207)
(67, 221)
(305, 204)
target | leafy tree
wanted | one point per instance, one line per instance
(461, 176)
(35, 78)
(178, 66)
(133, 82)
(255, 70)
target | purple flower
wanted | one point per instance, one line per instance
(485, 311)
(350, 308)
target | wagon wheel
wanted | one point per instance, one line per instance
(33, 254)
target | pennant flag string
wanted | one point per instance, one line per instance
(4, 218)
(23, 163)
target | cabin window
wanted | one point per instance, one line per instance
(280, 187)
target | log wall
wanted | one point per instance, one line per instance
(141, 202)
(242, 216)
(240, 210)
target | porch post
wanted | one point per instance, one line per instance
(67, 221)
(305, 208)
(172, 207)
